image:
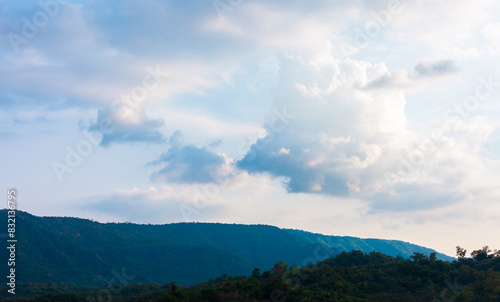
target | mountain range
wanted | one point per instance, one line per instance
(83, 252)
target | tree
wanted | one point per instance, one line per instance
(256, 273)
(279, 268)
(418, 256)
(481, 254)
(210, 294)
(461, 252)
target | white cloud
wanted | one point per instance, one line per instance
(355, 137)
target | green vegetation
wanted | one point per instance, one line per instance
(349, 276)
(81, 252)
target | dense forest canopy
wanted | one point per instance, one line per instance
(349, 276)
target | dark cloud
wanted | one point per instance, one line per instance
(215, 142)
(431, 68)
(405, 80)
(388, 80)
(300, 177)
(113, 131)
(184, 163)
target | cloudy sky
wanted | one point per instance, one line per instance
(361, 118)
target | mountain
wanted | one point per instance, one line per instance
(84, 252)
(346, 244)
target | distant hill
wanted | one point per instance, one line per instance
(84, 252)
(389, 247)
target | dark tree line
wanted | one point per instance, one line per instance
(349, 276)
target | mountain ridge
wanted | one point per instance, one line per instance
(84, 252)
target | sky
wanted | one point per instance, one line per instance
(374, 119)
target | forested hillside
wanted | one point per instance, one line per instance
(352, 276)
(82, 252)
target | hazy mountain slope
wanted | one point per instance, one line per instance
(388, 247)
(259, 244)
(84, 252)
